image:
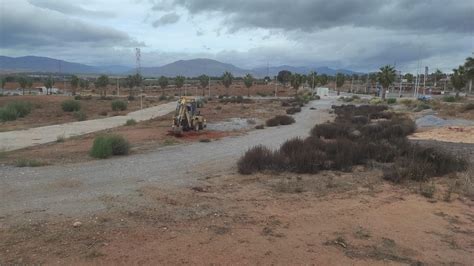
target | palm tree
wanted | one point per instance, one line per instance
(3, 81)
(163, 82)
(102, 83)
(74, 84)
(248, 81)
(438, 75)
(469, 66)
(203, 82)
(458, 79)
(48, 84)
(23, 82)
(29, 84)
(386, 77)
(179, 81)
(313, 79)
(84, 84)
(296, 81)
(227, 80)
(340, 79)
(323, 79)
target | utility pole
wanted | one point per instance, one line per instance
(401, 82)
(276, 86)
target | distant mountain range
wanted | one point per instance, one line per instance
(188, 68)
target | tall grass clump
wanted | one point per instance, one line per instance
(105, 146)
(71, 106)
(14, 110)
(118, 105)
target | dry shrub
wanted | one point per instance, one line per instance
(280, 120)
(293, 110)
(331, 130)
(351, 141)
(258, 158)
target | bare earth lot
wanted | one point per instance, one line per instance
(180, 204)
(47, 110)
(149, 135)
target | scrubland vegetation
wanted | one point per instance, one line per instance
(361, 135)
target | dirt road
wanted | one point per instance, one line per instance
(80, 188)
(14, 140)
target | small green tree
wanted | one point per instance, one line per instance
(296, 81)
(340, 79)
(3, 81)
(458, 78)
(227, 79)
(102, 83)
(179, 81)
(163, 82)
(74, 84)
(29, 84)
(284, 77)
(203, 83)
(386, 77)
(23, 81)
(248, 81)
(84, 84)
(48, 84)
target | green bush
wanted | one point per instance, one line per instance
(29, 163)
(130, 122)
(71, 106)
(467, 107)
(7, 114)
(422, 106)
(392, 100)
(163, 97)
(78, 97)
(449, 99)
(105, 146)
(118, 105)
(14, 110)
(80, 116)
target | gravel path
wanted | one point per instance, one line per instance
(79, 188)
(14, 140)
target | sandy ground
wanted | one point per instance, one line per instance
(331, 218)
(460, 134)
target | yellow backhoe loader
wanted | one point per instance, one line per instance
(187, 117)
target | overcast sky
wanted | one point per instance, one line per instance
(356, 34)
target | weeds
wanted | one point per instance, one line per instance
(60, 139)
(131, 122)
(80, 116)
(118, 105)
(353, 139)
(14, 110)
(71, 106)
(29, 163)
(105, 146)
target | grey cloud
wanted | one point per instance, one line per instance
(55, 30)
(310, 15)
(170, 18)
(67, 7)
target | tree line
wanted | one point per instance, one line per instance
(385, 77)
